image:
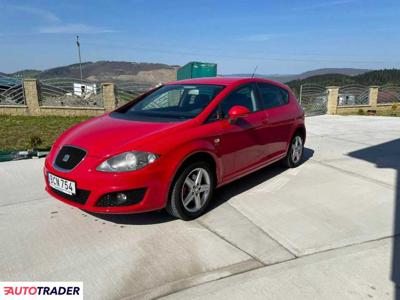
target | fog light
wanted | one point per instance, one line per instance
(121, 198)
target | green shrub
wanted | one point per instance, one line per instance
(35, 141)
(361, 112)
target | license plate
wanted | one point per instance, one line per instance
(61, 184)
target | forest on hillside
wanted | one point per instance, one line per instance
(378, 77)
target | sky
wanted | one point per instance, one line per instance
(279, 37)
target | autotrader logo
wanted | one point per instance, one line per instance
(41, 290)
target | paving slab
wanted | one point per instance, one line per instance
(359, 272)
(21, 181)
(50, 241)
(43, 239)
(308, 214)
(356, 126)
(233, 226)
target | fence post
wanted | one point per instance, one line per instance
(32, 96)
(373, 96)
(333, 94)
(110, 101)
(301, 93)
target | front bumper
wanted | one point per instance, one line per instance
(92, 185)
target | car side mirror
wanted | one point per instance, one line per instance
(237, 112)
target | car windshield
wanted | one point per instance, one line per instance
(176, 102)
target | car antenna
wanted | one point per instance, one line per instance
(254, 72)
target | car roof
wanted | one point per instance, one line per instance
(224, 81)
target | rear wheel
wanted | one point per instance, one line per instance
(295, 152)
(192, 191)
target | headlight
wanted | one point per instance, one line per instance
(128, 161)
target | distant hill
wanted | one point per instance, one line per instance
(343, 71)
(103, 71)
(121, 71)
(291, 77)
(115, 71)
(377, 77)
(26, 73)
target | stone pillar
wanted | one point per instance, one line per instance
(333, 94)
(31, 96)
(373, 96)
(109, 99)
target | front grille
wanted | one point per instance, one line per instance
(113, 199)
(80, 197)
(69, 157)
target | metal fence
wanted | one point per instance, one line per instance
(11, 91)
(389, 93)
(313, 98)
(354, 94)
(70, 92)
(127, 91)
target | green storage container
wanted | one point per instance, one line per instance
(196, 69)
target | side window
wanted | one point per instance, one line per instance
(272, 96)
(215, 115)
(243, 96)
(285, 96)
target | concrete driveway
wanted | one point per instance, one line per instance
(324, 230)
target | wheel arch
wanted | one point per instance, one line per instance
(300, 130)
(202, 155)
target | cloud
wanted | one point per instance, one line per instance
(324, 4)
(74, 29)
(55, 24)
(38, 12)
(258, 37)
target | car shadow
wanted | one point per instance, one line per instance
(222, 195)
(387, 155)
(146, 218)
(248, 182)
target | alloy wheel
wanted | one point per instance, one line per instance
(297, 149)
(196, 190)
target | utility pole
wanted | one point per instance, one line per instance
(79, 54)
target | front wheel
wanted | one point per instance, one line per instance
(191, 192)
(295, 152)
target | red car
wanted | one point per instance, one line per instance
(173, 146)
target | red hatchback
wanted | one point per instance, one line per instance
(171, 147)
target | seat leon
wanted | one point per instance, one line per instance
(174, 145)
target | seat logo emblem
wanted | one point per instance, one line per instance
(66, 158)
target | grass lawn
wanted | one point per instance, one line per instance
(389, 111)
(20, 132)
(378, 113)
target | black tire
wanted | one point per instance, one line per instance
(175, 205)
(290, 160)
